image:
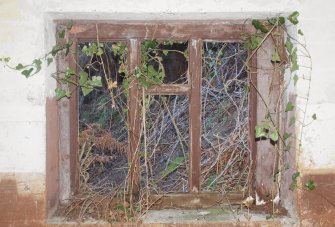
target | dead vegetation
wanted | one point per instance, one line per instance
(164, 150)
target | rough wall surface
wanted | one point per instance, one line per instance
(27, 32)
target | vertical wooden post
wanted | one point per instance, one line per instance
(74, 125)
(252, 118)
(195, 68)
(134, 120)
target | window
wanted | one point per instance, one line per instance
(195, 136)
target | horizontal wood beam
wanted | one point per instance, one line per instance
(168, 89)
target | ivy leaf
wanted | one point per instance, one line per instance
(69, 25)
(19, 66)
(96, 81)
(293, 185)
(295, 176)
(310, 185)
(286, 135)
(27, 72)
(294, 17)
(60, 93)
(272, 21)
(261, 130)
(288, 147)
(274, 136)
(314, 117)
(83, 76)
(289, 107)
(49, 61)
(86, 90)
(69, 72)
(300, 32)
(275, 57)
(256, 23)
(295, 79)
(291, 121)
(5, 59)
(61, 34)
(38, 64)
(255, 41)
(281, 21)
(289, 46)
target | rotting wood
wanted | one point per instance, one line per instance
(168, 89)
(134, 120)
(194, 201)
(74, 124)
(172, 30)
(195, 114)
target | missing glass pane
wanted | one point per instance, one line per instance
(165, 61)
(103, 133)
(165, 162)
(224, 138)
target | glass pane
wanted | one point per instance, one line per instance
(164, 61)
(103, 116)
(224, 136)
(166, 139)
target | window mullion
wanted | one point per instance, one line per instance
(195, 68)
(134, 120)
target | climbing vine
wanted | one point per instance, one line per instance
(151, 71)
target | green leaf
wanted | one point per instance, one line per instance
(261, 130)
(295, 79)
(5, 59)
(286, 135)
(289, 46)
(281, 21)
(275, 57)
(310, 185)
(291, 121)
(27, 72)
(274, 136)
(256, 23)
(165, 52)
(294, 17)
(83, 76)
(86, 90)
(293, 185)
(60, 93)
(295, 176)
(38, 65)
(96, 81)
(300, 32)
(19, 66)
(255, 41)
(173, 165)
(61, 34)
(100, 51)
(69, 25)
(69, 72)
(289, 107)
(49, 61)
(314, 116)
(272, 21)
(288, 146)
(264, 29)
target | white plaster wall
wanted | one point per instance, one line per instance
(26, 32)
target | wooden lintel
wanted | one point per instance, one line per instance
(168, 89)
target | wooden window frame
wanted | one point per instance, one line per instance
(195, 32)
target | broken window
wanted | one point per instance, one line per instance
(224, 116)
(172, 115)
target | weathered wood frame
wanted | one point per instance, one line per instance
(195, 32)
